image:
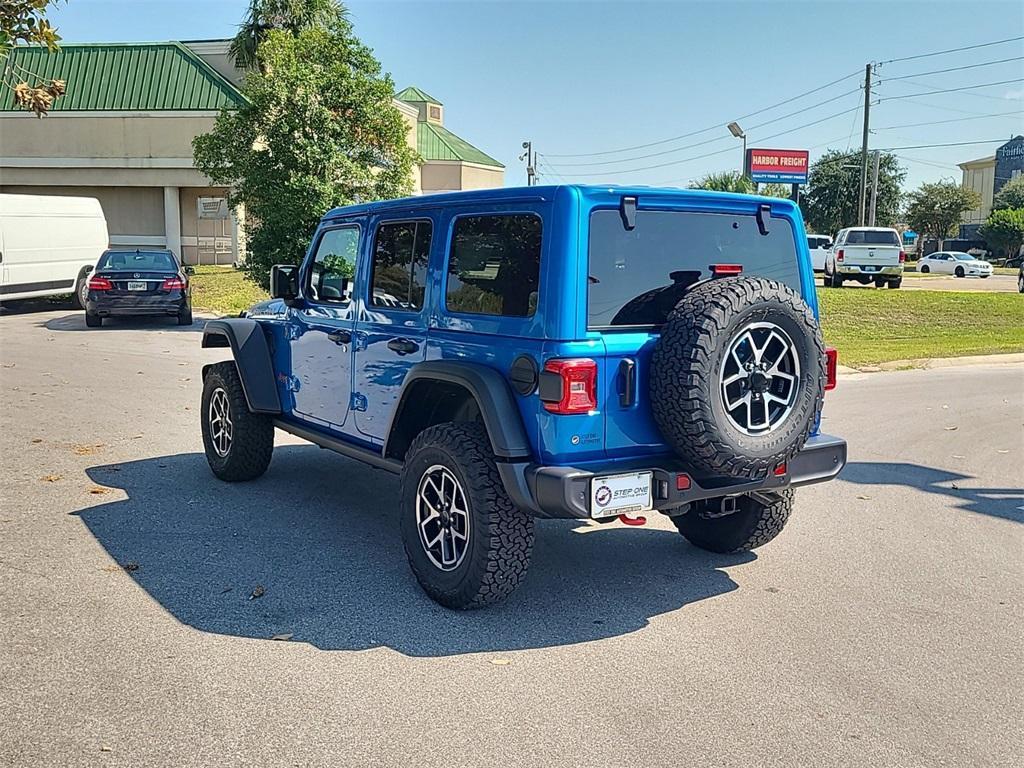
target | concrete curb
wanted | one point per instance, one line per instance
(1009, 358)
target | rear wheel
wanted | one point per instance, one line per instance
(93, 320)
(925, 269)
(467, 543)
(185, 316)
(894, 284)
(752, 524)
(238, 442)
(836, 280)
(81, 290)
(879, 282)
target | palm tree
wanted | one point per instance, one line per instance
(733, 181)
(290, 15)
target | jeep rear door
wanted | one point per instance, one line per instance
(636, 276)
(390, 332)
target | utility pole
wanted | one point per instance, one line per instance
(531, 163)
(874, 188)
(864, 145)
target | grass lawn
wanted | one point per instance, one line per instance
(875, 326)
(223, 290)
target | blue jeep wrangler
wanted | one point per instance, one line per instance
(556, 352)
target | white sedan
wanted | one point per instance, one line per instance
(954, 263)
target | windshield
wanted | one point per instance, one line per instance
(138, 261)
(637, 276)
(872, 237)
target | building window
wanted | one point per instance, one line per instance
(434, 112)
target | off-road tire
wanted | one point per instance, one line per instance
(895, 284)
(751, 526)
(93, 320)
(252, 438)
(685, 392)
(500, 535)
(925, 269)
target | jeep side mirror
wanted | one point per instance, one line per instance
(284, 282)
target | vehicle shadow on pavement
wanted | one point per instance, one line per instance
(1005, 503)
(76, 322)
(317, 540)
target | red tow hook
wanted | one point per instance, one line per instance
(627, 520)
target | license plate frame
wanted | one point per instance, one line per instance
(621, 494)
(138, 285)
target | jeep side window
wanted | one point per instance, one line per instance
(334, 265)
(400, 253)
(494, 265)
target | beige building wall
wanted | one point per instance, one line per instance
(450, 175)
(980, 176)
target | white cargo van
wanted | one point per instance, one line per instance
(48, 245)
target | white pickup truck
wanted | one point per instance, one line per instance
(867, 255)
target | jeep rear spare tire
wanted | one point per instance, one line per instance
(738, 376)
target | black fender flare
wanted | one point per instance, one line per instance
(251, 351)
(493, 395)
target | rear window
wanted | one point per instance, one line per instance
(494, 265)
(637, 276)
(138, 261)
(870, 237)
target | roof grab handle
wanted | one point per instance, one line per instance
(627, 209)
(764, 212)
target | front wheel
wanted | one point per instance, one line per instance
(467, 543)
(925, 269)
(753, 523)
(238, 442)
(959, 272)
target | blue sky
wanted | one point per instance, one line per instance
(586, 77)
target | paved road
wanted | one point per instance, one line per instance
(997, 283)
(883, 628)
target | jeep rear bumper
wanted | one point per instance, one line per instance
(564, 492)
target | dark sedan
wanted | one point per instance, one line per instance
(138, 283)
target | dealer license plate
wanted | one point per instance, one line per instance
(620, 494)
(141, 285)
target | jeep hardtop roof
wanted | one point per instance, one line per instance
(543, 193)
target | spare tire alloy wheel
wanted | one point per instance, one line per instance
(759, 378)
(738, 377)
(442, 518)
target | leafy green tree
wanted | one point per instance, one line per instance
(292, 16)
(1010, 196)
(831, 200)
(318, 130)
(734, 181)
(1004, 231)
(24, 21)
(936, 208)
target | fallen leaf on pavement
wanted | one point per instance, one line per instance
(50, 478)
(865, 498)
(135, 437)
(8, 365)
(97, 490)
(952, 429)
(284, 636)
(773, 590)
(500, 662)
(87, 450)
(130, 566)
(105, 748)
(258, 591)
(955, 486)
(37, 439)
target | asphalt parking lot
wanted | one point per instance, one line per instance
(913, 282)
(139, 596)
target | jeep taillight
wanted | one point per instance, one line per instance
(839, 255)
(569, 386)
(831, 367)
(97, 283)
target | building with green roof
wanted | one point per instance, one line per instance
(122, 133)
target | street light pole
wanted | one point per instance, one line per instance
(735, 130)
(530, 157)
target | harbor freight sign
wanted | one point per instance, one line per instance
(788, 166)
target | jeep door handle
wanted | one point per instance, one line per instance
(340, 337)
(403, 346)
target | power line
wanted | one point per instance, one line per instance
(716, 126)
(952, 50)
(952, 69)
(951, 90)
(942, 122)
(945, 108)
(699, 143)
(951, 144)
